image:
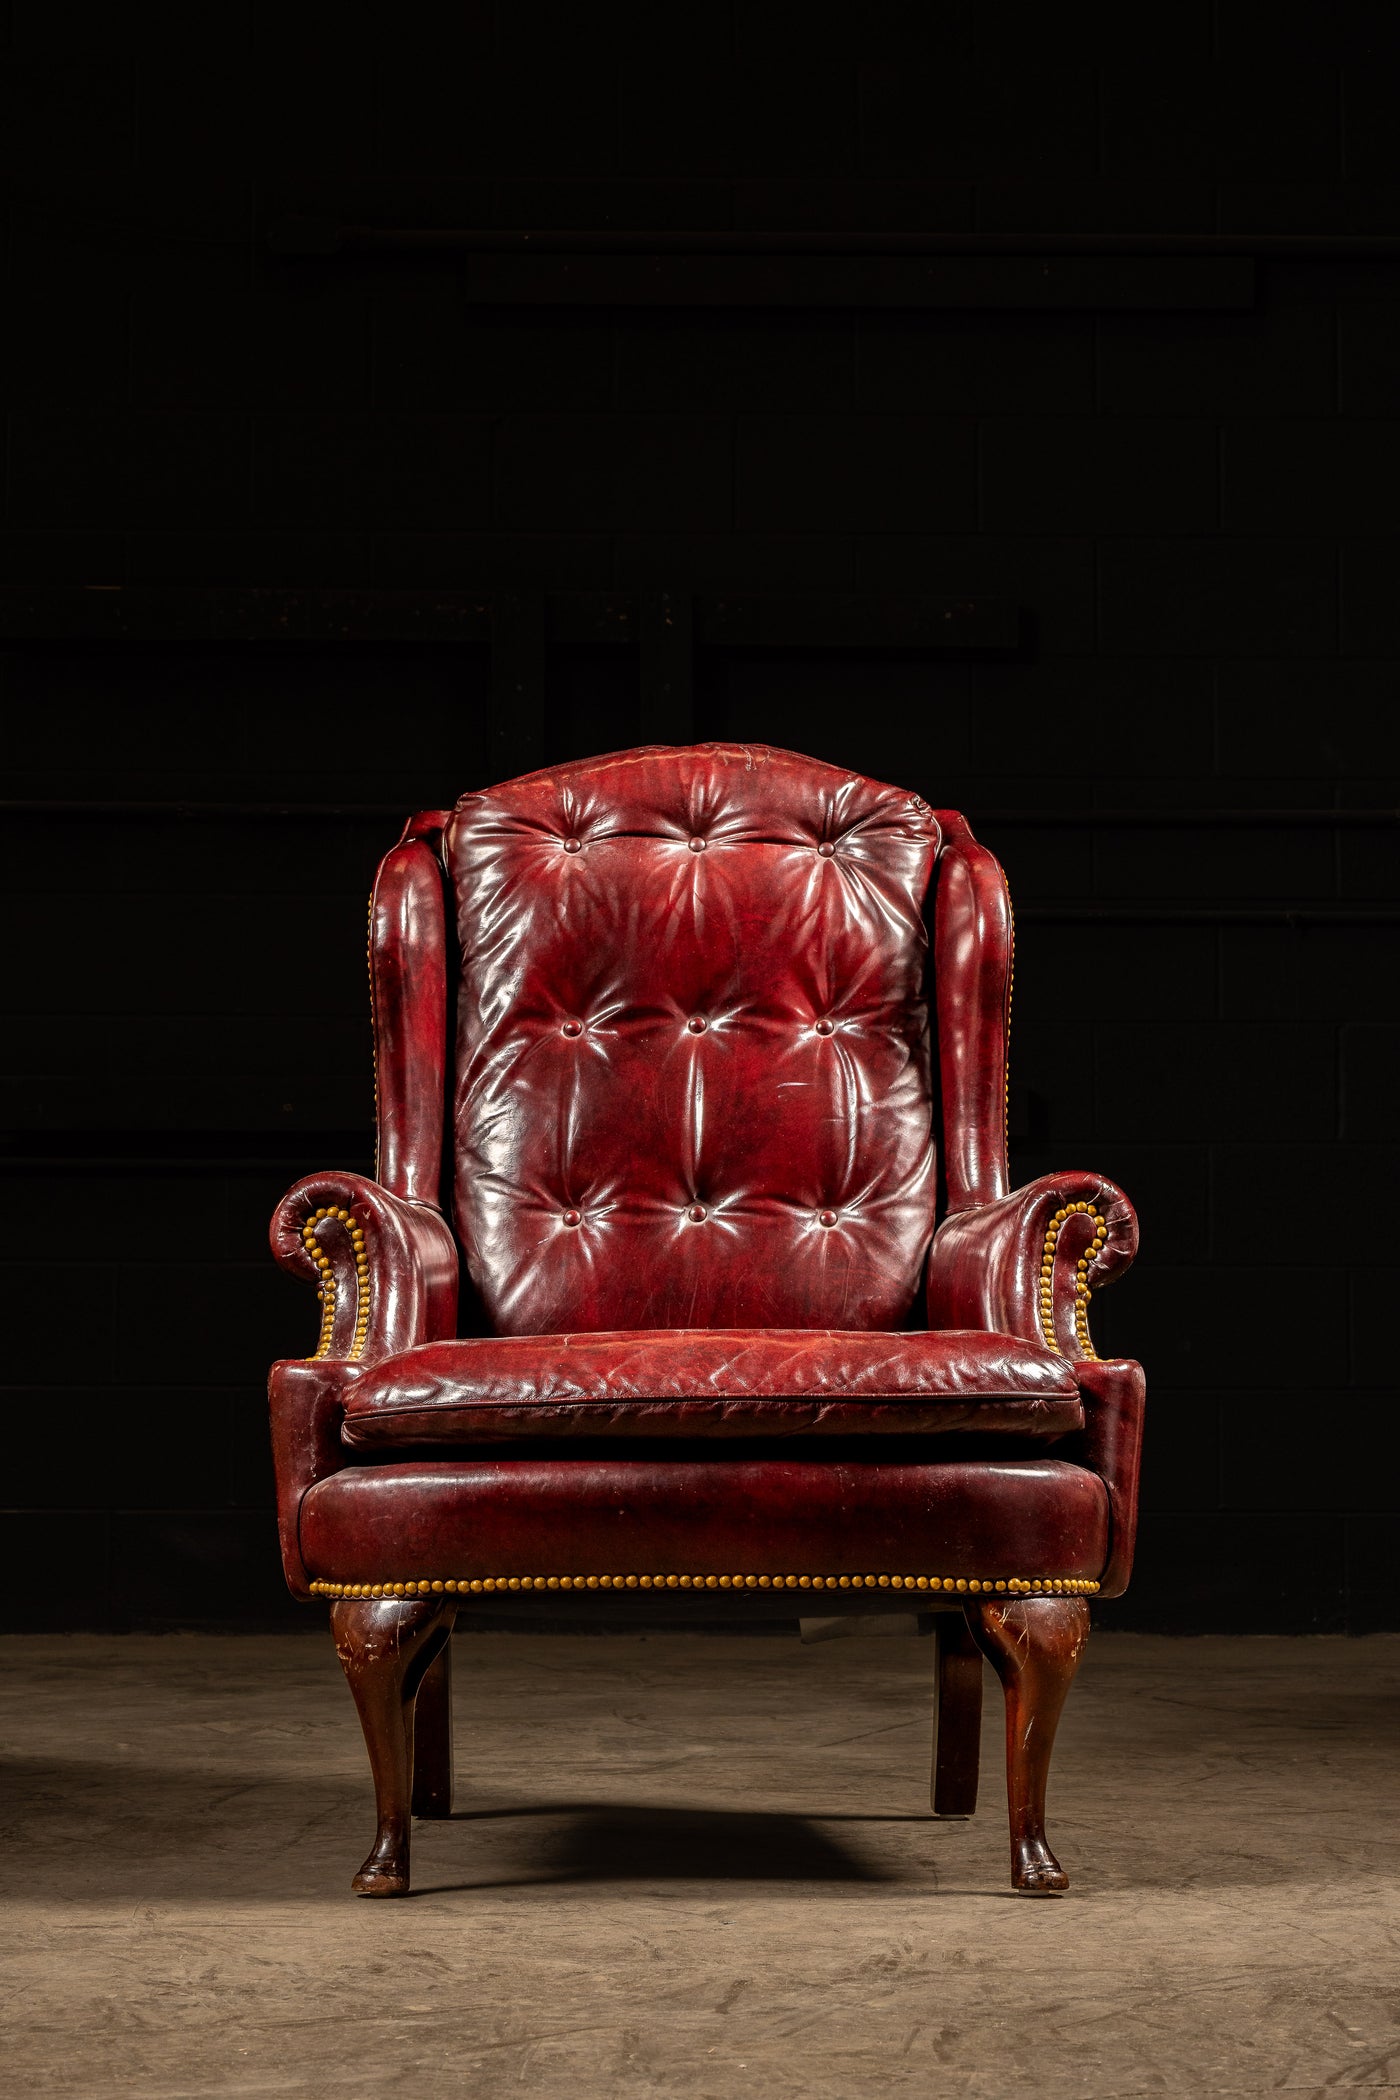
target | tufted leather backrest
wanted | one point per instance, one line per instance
(693, 1052)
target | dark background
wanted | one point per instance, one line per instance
(1159, 489)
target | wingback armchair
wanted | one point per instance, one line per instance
(714, 1358)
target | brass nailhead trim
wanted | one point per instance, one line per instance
(1012, 1585)
(1082, 1285)
(326, 1290)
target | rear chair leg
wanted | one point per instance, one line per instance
(1034, 1644)
(432, 1738)
(386, 1645)
(957, 1726)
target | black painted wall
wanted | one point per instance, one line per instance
(1193, 510)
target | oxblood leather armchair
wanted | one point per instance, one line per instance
(693, 1140)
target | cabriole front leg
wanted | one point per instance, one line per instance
(386, 1645)
(1034, 1644)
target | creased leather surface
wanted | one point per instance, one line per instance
(565, 1516)
(711, 1382)
(693, 1066)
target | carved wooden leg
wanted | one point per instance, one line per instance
(1034, 1644)
(385, 1645)
(432, 1738)
(957, 1726)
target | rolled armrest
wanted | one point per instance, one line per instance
(385, 1271)
(384, 1267)
(1028, 1263)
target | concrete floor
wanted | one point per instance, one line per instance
(697, 1866)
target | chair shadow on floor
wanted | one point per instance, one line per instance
(201, 1831)
(593, 1843)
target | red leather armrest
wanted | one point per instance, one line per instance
(1027, 1263)
(385, 1270)
(385, 1267)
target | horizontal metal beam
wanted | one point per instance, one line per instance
(224, 1162)
(999, 819)
(150, 613)
(1210, 914)
(307, 237)
(177, 613)
(509, 266)
(211, 812)
(121, 1151)
(1011, 283)
(857, 620)
(1188, 819)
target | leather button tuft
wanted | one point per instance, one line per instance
(573, 845)
(572, 1028)
(826, 1027)
(697, 1024)
(826, 1217)
(573, 1217)
(826, 849)
(696, 1214)
(697, 845)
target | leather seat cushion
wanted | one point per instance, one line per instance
(474, 1519)
(702, 1382)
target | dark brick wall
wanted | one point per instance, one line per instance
(1194, 510)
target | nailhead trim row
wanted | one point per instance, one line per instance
(326, 1291)
(1082, 1285)
(1012, 1585)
